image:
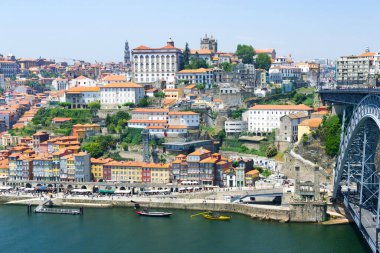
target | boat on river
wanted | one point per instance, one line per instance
(213, 216)
(153, 214)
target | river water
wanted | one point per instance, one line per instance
(121, 230)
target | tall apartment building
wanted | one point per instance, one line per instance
(355, 69)
(8, 68)
(153, 64)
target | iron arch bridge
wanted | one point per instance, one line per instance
(357, 178)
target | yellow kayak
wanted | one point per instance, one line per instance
(220, 217)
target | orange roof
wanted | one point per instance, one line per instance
(142, 47)
(145, 121)
(150, 110)
(201, 51)
(81, 77)
(320, 113)
(300, 107)
(209, 160)
(169, 101)
(155, 127)
(101, 160)
(59, 119)
(177, 127)
(312, 123)
(122, 85)
(200, 151)
(83, 89)
(367, 54)
(217, 100)
(195, 71)
(191, 86)
(252, 172)
(183, 113)
(115, 78)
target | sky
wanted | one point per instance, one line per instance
(95, 30)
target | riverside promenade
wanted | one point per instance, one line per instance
(205, 200)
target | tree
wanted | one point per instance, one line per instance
(65, 105)
(271, 151)
(94, 107)
(129, 104)
(197, 63)
(201, 86)
(94, 148)
(263, 61)
(227, 66)
(143, 102)
(330, 133)
(245, 53)
(186, 55)
(266, 173)
(159, 94)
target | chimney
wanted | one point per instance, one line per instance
(297, 183)
(316, 184)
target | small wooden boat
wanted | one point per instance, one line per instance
(153, 214)
(213, 216)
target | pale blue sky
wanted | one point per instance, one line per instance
(97, 29)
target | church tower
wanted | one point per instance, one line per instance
(127, 54)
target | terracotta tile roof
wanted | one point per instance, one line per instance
(60, 119)
(200, 151)
(297, 115)
(367, 54)
(201, 51)
(147, 110)
(177, 127)
(191, 86)
(209, 160)
(300, 107)
(312, 123)
(146, 121)
(155, 127)
(194, 71)
(115, 78)
(171, 90)
(82, 89)
(122, 85)
(183, 113)
(253, 172)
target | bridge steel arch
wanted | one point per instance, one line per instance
(356, 175)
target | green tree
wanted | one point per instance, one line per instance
(271, 151)
(159, 94)
(65, 105)
(227, 66)
(330, 132)
(196, 63)
(263, 61)
(143, 102)
(129, 104)
(201, 86)
(94, 107)
(186, 55)
(266, 173)
(245, 53)
(94, 148)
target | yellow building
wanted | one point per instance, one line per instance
(159, 173)
(251, 177)
(97, 167)
(173, 93)
(308, 125)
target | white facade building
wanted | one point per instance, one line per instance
(186, 118)
(120, 93)
(286, 71)
(82, 81)
(235, 126)
(154, 64)
(60, 84)
(79, 97)
(265, 118)
(197, 76)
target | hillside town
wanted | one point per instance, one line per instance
(166, 114)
